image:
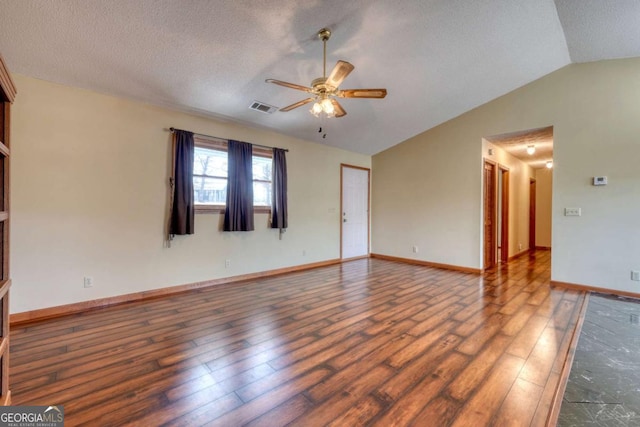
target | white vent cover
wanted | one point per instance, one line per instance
(262, 107)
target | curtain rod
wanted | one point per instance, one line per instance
(224, 139)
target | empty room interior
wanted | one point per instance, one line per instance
(314, 213)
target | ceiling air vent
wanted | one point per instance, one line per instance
(262, 107)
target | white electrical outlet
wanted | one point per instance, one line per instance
(415, 249)
(227, 263)
(88, 282)
(635, 275)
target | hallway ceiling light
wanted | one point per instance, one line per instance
(531, 149)
(549, 164)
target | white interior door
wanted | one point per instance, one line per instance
(355, 212)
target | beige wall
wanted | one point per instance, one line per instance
(519, 177)
(89, 198)
(544, 184)
(425, 193)
(89, 183)
(427, 190)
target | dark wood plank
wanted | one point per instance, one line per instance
(520, 404)
(480, 409)
(476, 371)
(403, 411)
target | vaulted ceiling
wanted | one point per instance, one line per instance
(437, 58)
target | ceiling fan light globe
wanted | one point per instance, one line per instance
(327, 106)
(316, 109)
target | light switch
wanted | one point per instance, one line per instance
(572, 212)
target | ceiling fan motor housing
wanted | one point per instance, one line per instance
(320, 86)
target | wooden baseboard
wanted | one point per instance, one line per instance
(63, 310)
(428, 263)
(518, 255)
(588, 288)
(356, 258)
(556, 403)
(543, 248)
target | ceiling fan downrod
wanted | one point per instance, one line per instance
(324, 35)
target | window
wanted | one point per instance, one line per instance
(261, 180)
(210, 176)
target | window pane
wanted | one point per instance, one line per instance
(209, 162)
(210, 191)
(262, 193)
(261, 168)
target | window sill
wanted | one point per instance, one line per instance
(213, 209)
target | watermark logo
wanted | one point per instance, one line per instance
(32, 416)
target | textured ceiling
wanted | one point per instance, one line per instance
(516, 143)
(437, 58)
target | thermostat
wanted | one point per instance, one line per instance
(599, 180)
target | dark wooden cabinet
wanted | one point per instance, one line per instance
(7, 95)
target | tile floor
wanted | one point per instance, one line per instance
(604, 383)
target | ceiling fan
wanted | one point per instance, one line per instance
(324, 89)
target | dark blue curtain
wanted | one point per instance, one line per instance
(182, 212)
(238, 214)
(279, 209)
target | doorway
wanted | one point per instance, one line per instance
(523, 163)
(354, 220)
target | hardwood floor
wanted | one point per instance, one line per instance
(368, 342)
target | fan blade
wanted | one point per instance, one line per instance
(338, 111)
(297, 104)
(339, 73)
(289, 85)
(362, 93)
